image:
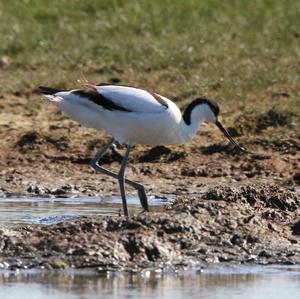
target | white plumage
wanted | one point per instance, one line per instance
(148, 122)
(134, 99)
(132, 115)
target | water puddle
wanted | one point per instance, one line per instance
(225, 282)
(22, 211)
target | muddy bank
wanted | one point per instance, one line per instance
(175, 170)
(247, 224)
(230, 208)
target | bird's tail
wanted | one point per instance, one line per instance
(49, 90)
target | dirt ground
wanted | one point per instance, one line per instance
(229, 207)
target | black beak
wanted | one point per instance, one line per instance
(225, 132)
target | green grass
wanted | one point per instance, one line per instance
(229, 50)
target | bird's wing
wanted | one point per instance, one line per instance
(133, 99)
(112, 97)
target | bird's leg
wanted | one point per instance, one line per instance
(121, 178)
(139, 187)
(102, 151)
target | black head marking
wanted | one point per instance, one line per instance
(99, 99)
(199, 101)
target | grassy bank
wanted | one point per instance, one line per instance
(242, 45)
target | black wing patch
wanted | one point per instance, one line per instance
(99, 99)
(49, 90)
(157, 97)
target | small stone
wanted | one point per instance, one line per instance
(203, 250)
(265, 254)
(296, 228)
(237, 240)
(36, 190)
(251, 239)
(58, 191)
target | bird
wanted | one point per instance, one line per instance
(132, 116)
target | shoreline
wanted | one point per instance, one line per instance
(251, 224)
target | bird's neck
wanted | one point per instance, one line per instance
(192, 118)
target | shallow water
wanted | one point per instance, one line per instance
(237, 282)
(21, 211)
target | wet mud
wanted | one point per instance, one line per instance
(229, 207)
(247, 224)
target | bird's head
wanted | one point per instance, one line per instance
(212, 116)
(209, 111)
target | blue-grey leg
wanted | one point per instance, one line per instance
(102, 151)
(140, 188)
(121, 178)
